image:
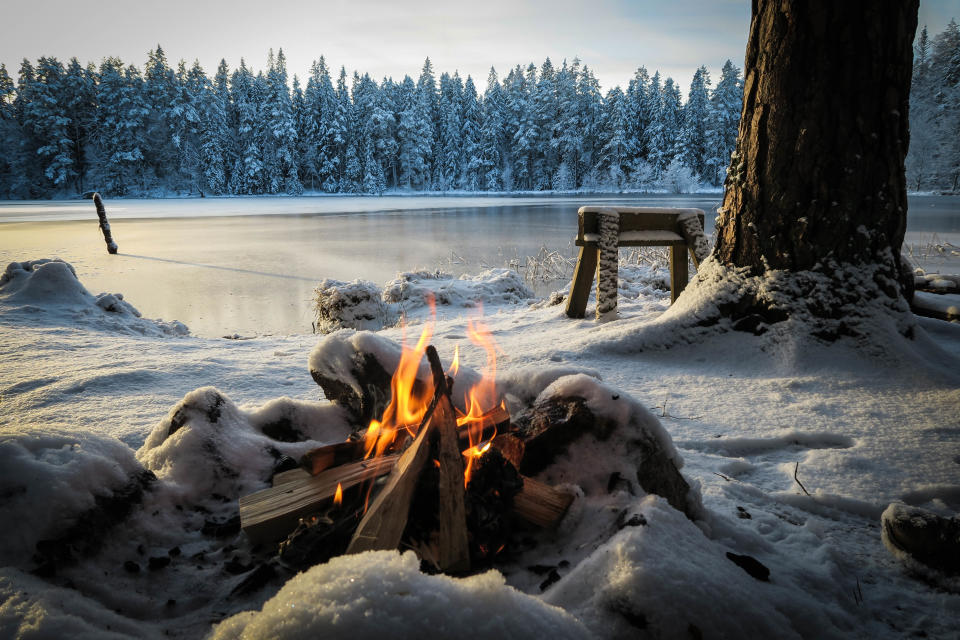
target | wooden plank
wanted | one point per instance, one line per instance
(540, 504)
(583, 275)
(678, 272)
(271, 514)
(292, 475)
(382, 526)
(453, 551)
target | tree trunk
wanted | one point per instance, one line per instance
(817, 179)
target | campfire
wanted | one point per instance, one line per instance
(436, 471)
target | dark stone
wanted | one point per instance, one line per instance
(623, 607)
(284, 463)
(374, 381)
(743, 514)
(929, 538)
(283, 430)
(131, 567)
(552, 577)
(222, 528)
(548, 428)
(256, 580)
(751, 565)
(158, 562)
(636, 520)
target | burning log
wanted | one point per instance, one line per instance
(453, 553)
(383, 524)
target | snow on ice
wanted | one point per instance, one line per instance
(94, 396)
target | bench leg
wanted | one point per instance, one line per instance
(582, 280)
(678, 272)
(607, 269)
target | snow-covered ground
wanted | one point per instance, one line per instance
(84, 382)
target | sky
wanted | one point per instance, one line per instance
(393, 37)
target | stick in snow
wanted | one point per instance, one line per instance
(104, 225)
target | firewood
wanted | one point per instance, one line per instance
(493, 422)
(511, 447)
(383, 524)
(331, 455)
(273, 513)
(290, 476)
(540, 504)
(453, 554)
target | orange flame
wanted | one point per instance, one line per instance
(338, 496)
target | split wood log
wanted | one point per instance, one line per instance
(331, 455)
(540, 504)
(273, 513)
(382, 526)
(453, 553)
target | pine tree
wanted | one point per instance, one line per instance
(121, 130)
(664, 131)
(9, 134)
(470, 134)
(488, 163)
(449, 133)
(726, 102)
(80, 101)
(280, 137)
(614, 156)
(162, 128)
(415, 137)
(694, 129)
(524, 139)
(546, 112)
(246, 174)
(567, 138)
(48, 122)
(639, 117)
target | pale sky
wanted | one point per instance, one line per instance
(392, 37)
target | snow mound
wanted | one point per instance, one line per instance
(927, 544)
(356, 305)
(207, 445)
(361, 305)
(383, 594)
(489, 288)
(50, 288)
(48, 478)
(33, 608)
(664, 578)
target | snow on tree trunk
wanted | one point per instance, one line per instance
(607, 270)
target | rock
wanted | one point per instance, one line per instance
(923, 536)
(751, 565)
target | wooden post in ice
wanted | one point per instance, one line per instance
(607, 270)
(104, 225)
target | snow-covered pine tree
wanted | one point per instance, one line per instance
(344, 129)
(449, 140)
(162, 128)
(415, 137)
(524, 139)
(470, 134)
(546, 113)
(665, 129)
(246, 176)
(80, 101)
(215, 137)
(590, 112)
(946, 62)
(9, 134)
(567, 136)
(726, 102)
(47, 121)
(280, 141)
(614, 156)
(121, 130)
(639, 118)
(695, 120)
(491, 134)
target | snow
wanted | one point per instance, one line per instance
(92, 397)
(383, 594)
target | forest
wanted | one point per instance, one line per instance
(67, 129)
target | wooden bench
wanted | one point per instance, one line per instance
(679, 229)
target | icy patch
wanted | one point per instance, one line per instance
(782, 440)
(48, 478)
(383, 594)
(49, 287)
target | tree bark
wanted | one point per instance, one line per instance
(817, 178)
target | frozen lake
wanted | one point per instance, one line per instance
(249, 265)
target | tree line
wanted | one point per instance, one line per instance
(66, 129)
